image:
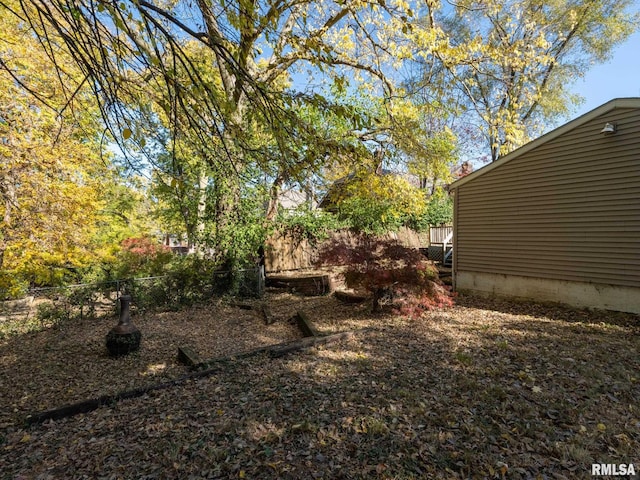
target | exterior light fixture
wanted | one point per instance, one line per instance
(608, 128)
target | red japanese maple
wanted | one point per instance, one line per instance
(387, 269)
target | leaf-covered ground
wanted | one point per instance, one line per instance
(69, 363)
(486, 389)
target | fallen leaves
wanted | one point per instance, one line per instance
(483, 390)
(67, 364)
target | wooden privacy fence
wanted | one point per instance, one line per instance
(284, 252)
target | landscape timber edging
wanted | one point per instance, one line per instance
(188, 356)
(205, 369)
(348, 297)
(306, 325)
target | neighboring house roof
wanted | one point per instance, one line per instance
(567, 127)
(293, 198)
(331, 197)
(462, 170)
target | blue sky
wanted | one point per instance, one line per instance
(619, 77)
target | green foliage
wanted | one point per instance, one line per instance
(240, 240)
(52, 314)
(12, 285)
(224, 127)
(62, 304)
(439, 211)
(157, 278)
(83, 300)
(181, 185)
(186, 280)
(226, 109)
(509, 65)
(18, 319)
(127, 213)
(141, 257)
(303, 222)
(59, 194)
(190, 280)
(437, 154)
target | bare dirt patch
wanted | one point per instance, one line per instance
(486, 389)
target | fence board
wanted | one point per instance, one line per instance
(285, 253)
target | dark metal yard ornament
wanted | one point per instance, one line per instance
(124, 338)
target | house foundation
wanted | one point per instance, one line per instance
(577, 294)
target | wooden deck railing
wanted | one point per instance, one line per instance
(440, 235)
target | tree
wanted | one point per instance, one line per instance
(435, 161)
(439, 210)
(49, 148)
(128, 48)
(511, 63)
(384, 190)
(413, 134)
(127, 211)
(374, 202)
(386, 268)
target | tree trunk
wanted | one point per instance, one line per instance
(200, 225)
(274, 194)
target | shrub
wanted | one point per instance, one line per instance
(375, 204)
(12, 285)
(53, 315)
(439, 211)
(303, 222)
(142, 256)
(386, 268)
(190, 280)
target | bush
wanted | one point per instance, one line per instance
(303, 222)
(151, 273)
(142, 256)
(12, 286)
(439, 211)
(53, 315)
(375, 204)
(190, 280)
(387, 269)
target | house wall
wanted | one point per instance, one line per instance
(566, 211)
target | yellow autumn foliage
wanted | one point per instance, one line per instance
(49, 179)
(378, 202)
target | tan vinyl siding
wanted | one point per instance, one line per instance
(568, 209)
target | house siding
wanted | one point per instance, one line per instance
(568, 209)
